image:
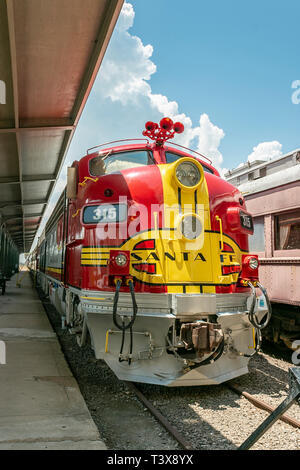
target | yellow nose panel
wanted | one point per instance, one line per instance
(186, 260)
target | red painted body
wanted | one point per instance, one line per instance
(141, 185)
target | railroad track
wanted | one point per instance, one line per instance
(109, 386)
(178, 437)
(160, 418)
(263, 405)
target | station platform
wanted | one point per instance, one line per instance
(41, 406)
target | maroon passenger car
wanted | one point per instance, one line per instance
(272, 192)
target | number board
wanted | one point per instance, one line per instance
(105, 213)
(246, 221)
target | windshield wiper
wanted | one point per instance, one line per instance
(151, 157)
(107, 155)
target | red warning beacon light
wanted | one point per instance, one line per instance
(164, 131)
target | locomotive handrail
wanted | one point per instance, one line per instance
(88, 178)
(147, 141)
(114, 142)
(221, 231)
(76, 213)
(190, 150)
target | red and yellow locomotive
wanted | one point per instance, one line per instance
(147, 251)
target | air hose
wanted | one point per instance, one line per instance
(251, 313)
(214, 356)
(123, 327)
(210, 359)
(253, 320)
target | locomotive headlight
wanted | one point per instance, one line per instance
(253, 263)
(121, 259)
(188, 174)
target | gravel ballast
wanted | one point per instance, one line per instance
(214, 417)
(210, 417)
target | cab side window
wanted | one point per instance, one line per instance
(115, 162)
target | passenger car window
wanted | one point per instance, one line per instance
(172, 157)
(287, 231)
(115, 162)
(257, 240)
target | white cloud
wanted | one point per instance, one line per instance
(209, 139)
(121, 102)
(127, 67)
(223, 172)
(163, 105)
(266, 151)
(126, 18)
(124, 78)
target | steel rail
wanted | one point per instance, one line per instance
(162, 420)
(263, 405)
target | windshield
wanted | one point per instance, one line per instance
(172, 157)
(112, 163)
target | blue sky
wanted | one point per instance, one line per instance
(233, 60)
(224, 68)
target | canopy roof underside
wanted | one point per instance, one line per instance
(50, 53)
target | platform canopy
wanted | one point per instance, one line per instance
(50, 53)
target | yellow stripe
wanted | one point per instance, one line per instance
(92, 298)
(93, 261)
(94, 250)
(94, 256)
(54, 270)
